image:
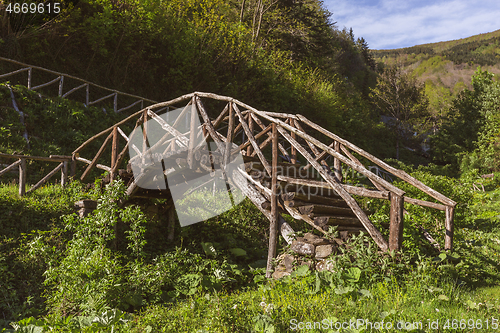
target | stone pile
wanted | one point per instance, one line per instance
(310, 250)
(85, 207)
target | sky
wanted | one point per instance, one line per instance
(390, 24)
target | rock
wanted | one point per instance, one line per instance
(86, 203)
(288, 260)
(323, 251)
(302, 248)
(313, 239)
(323, 265)
(280, 274)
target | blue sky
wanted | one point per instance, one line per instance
(388, 24)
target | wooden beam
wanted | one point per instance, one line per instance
(53, 158)
(96, 157)
(261, 125)
(354, 159)
(192, 134)
(114, 151)
(207, 122)
(64, 174)
(230, 134)
(47, 177)
(336, 162)
(10, 167)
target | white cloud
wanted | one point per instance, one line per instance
(395, 23)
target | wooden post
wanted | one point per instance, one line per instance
(87, 93)
(250, 126)
(396, 222)
(336, 162)
(64, 174)
(61, 82)
(273, 230)
(293, 151)
(73, 166)
(22, 177)
(230, 134)
(448, 240)
(115, 103)
(29, 77)
(114, 152)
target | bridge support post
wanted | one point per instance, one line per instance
(64, 173)
(114, 152)
(273, 228)
(396, 222)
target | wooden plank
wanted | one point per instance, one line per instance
(22, 177)
(47, 177)
(448, 240)
(10, 167)
(337, 220)
(396, 223)
(271, 254)
(317, 210)
(96, 157)
(372, 230)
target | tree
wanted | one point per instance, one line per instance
(399, 96)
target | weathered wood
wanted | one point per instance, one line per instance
(230, 134)
(207, 123)
(101, 99)
(252, 140)
(360, 168)
(170, 129)
(396, 222)
(337, 220)
(357, 190)
(73, 90)
(98, 166)
(192, 134)
(264, 144)
(114, 151)
(257, 136)
(354, 159)
(64, 173)
(262, 126)
(372, 230)
(312, 147)
(10, 167)
(425, 203)
(47, 177)
(298, 216)
(293, 151)
(47, 84)
(320, 156)
(336, 162)
(55, 158)
(399, 173)
(271, 254)
(429, 238)
(251, 127)
(310, 198)
(317, 210)
(257, 199)
(61, 83)
(14, 72)
(22, 177)
(449, 227)
(96, 157)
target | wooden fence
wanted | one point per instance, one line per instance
(59, 81)
(63, 161)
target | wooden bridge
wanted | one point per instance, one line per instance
(287, 168)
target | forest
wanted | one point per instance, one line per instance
(431, 110)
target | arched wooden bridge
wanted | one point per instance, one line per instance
(272, 177)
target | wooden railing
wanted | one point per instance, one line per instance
(59, 81)
(21, 164)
